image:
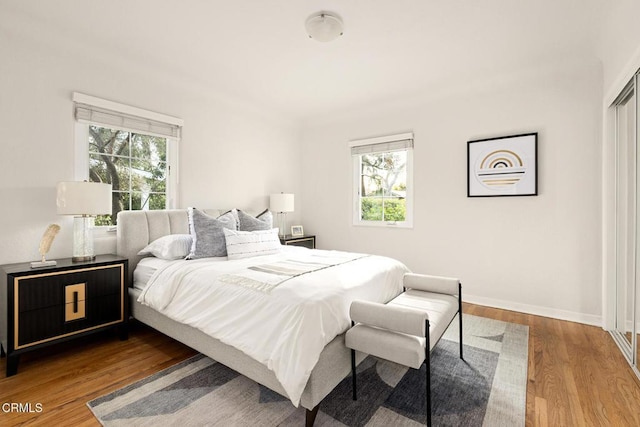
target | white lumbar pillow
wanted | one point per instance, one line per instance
(245, 244)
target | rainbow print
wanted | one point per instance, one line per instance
(500, 169)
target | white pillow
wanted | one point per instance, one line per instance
(171, 246)
(245, 244)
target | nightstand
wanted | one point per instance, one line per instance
(306, 241)
(43, 306)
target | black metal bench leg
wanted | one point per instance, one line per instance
(353, 374)
(460, 315)
(427, 361)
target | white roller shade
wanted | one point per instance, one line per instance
(88, 109)
(382, 144)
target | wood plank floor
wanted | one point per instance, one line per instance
(576, 376)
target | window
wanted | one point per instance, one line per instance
(130, 149)
(134, 164)
(383, 180)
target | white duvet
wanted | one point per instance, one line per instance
(285, 329)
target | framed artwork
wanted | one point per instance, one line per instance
(296, 231)
(503, 166)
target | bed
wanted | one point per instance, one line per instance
(136, 229)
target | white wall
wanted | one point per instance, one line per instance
(533, 254)
(231, 154)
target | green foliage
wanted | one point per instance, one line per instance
(103, 220)
(379, 209)
(371, 209)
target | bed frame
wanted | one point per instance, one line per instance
(136, 229)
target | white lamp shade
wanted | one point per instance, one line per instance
(282, 202)
(83, 198)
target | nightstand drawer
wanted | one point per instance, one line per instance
(46, 290)
(54, 304)
(37, 326)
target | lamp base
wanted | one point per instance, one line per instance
(282, 216)
(83, 258)
(83, 239)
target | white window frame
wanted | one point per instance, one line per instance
(81, 133)
(383, 144)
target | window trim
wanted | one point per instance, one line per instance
(81, 147)
(383, 141)
(124, 110)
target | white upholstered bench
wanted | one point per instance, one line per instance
(397, 331)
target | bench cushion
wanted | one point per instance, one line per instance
(405, 320)
(442, 308)
(407, 350)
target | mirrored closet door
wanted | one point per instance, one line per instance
(627, 306)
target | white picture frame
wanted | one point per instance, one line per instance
(297, 231)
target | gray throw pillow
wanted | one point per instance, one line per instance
(263, 221)
(207, 233)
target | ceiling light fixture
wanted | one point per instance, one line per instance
(324, 26)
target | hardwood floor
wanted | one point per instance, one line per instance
(576, 377)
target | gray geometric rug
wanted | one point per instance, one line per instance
(487, 388)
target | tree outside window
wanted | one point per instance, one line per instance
(134, 164)
(383, 186)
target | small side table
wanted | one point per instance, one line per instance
(42, 306)
(306, 241)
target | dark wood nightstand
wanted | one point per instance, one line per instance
(42, 306)
(306, 241)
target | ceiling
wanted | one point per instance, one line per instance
(258, 50)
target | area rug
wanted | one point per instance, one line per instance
(487, 388)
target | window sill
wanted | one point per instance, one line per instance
(104, 230)
(378, 224)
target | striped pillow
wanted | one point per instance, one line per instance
(245, 244)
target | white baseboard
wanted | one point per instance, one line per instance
(588, 319)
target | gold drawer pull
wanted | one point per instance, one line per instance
(74, 302)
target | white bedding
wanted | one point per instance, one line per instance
(147, 267)
(145, 270)
(285, 328)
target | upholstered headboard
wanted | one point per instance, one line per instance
(136, 229)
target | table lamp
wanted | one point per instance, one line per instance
(281, 203)
(84, 200)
